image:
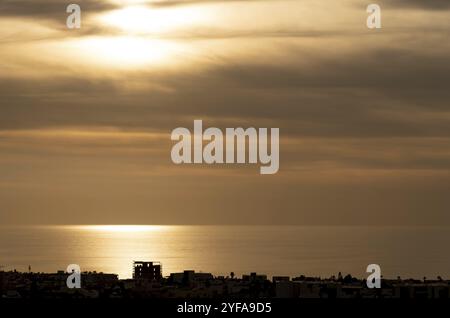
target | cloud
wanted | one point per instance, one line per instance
(365, 94)
(421, 4)
(363, 116)
(56, 10)
(51, 9)
(172, 3)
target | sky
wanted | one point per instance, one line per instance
(86, 114)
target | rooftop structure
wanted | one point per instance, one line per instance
(147, 270)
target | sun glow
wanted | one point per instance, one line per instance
(125, 51)
(122, 228)
(134, 36)
(141, 19)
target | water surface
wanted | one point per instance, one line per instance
(273, 250)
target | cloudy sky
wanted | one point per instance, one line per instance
(86, 114)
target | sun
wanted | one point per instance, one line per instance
(144, 20)
(128, 51)
(141, 36)
(133, 37)
(122, 228)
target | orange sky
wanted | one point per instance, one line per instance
(87, 114)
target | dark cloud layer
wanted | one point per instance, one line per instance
(56, 9)
(49, 8)
(420, 4)
(382, 93)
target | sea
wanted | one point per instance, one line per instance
(319, 251)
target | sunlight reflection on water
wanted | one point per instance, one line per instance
(273, 250)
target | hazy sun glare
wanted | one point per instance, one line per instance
(125, 51)
(137, 44)
(122, 228)
(140, 19)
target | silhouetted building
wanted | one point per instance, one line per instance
(280, 279)
(2, 274)
(189, 284)
(189, 276)
(147, 270)
(253, 278)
